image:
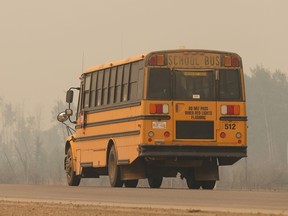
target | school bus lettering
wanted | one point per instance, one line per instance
(196, 60)
(197, 112)
(156, 115)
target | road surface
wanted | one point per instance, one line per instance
(270, 202)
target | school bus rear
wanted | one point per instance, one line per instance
(196, 101)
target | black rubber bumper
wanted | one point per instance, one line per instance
(192, 151)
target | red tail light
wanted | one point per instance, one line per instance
(166, 134)
(159, 108)
(230, 110)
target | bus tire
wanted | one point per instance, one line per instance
(72, 178)
(208, 185)
(131, 183)
(114, 169)
(155, 182)
(192, 183)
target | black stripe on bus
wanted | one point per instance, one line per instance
(112, 107)
(112, 135)
(233, 118)
(122, 120)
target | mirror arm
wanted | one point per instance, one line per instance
(73, 122)
(68, 128)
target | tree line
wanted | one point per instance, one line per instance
(31, 155)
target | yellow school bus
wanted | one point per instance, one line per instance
(156, 115)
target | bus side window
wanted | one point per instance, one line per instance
(105, 86)
(140, 80)
(99, 88)
(80, 99)
(133, 86)
(93, 90)
(125, 85)
(87, 90)
(112, 85)
(118, 90)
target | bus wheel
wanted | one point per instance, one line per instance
(131, 183)
(72, 178)
(114, 169)
(208, 185)
(155, 182)
(192, 183)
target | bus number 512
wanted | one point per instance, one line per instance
(230, 126)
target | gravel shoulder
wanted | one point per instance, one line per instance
(31, 208)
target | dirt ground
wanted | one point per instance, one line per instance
(31, 208)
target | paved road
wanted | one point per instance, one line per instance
(218, 200)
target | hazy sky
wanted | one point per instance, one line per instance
(42, 42)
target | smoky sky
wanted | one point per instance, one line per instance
(46, 44)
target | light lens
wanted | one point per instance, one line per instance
(238, 135)
(235, 61)
(165, 108)
(230, 110)
(236, 110)
(153, 60)
(150, 133)
(224, 110)
(152, 108)
(159, 108)
(160, 60)
(222, 135)
(167, 134)
(227, 60)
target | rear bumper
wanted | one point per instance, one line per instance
(236, 152)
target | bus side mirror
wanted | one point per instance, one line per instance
(69, 96)
(62, 117)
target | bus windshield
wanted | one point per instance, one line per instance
(166, 84)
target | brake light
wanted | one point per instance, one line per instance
(230, 110)
(166, 134)
(159, 108)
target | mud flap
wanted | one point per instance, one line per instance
(133, 171)
(208, 171)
